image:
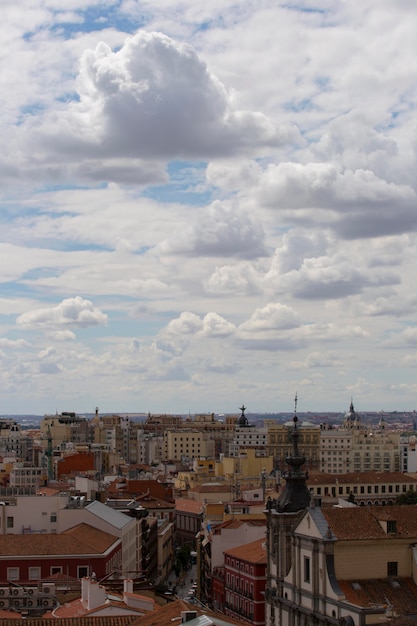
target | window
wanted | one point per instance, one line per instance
(56, 569)
(82, 571)
(392, 568)
(13, 573)
(34, 573)
(10, 522)
(53, 518)
(391, 526)
(306, 569)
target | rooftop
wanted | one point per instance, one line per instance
(360, 478)
(81, 539)
(400, 593)
(364, 522)
(254, 552)
(188, 506)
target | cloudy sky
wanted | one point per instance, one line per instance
(208, 203)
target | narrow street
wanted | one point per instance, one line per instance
(184, 587)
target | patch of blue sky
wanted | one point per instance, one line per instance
(39, 273)
(65, 245)
(142, 250)
(299, 106)
(186, 185)
(303, 9)
(72, 187)
(98, 18)
(28, 111)
(17, 289)
(322, 82)
(68, 97)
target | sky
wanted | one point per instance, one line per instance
(208, 203)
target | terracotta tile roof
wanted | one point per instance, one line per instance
(360, 478)
(188, 506)
(97, 539)
(400, 592)
(81, 539)
(114, 620)
(150, 502)
(170, 615)
(363, 522)
(254, 552)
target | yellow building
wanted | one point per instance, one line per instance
(248, 465)
(203, 471)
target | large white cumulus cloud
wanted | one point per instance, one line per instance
(155, 98)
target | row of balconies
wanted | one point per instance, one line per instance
(238, 611)
(240, 592)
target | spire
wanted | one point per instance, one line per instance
(243, 420)
(295, 495)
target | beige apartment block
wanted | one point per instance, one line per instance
(353, 447)
(219, 430)
(67, 427)
(344, 451)
(279, 443)
(186, 445)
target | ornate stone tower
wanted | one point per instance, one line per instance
(283, 515)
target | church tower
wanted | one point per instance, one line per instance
(282, 516)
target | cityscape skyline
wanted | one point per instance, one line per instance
(205, 203)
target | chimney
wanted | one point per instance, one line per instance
(128, 585)
(187, 616)
(93, 595)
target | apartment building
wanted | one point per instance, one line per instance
(362, 488)
(187, 445)
(279, 443)
(216, 538)
(76, 552)
(244, 583)
(353, 447)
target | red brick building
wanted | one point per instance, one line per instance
(244, 582)
(75, 463)
(76, 552)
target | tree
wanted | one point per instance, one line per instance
(408, 498)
